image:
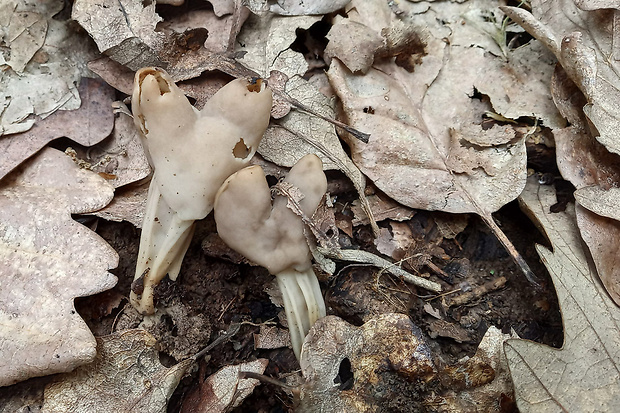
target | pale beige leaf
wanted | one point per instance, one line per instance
(595, 172)
(583, 375)
(266, 41)
(602, 236)
(303, 7)
(26, 34)
(583, 40)
(600, 201)
(123, 29)
(413, 164)
(126, 376)
(47, 260)
(88, 125)
(48, 58)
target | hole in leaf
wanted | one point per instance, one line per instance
(241, 150)
(345, 375)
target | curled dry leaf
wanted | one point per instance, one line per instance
(47, 260)
(224, 390)
(301, 7)
(88, 125)
(46, 56)
(582, 39)
(595, 172)
(126, 376)
(584, 373)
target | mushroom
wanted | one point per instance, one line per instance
(192, 152)
(273, 236)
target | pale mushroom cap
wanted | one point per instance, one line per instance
(269, 236)
(194, 152)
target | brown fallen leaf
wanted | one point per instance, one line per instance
(266, 42)
(583, 375)
(47, 58)
(582, 37)
(120, 159)
(124, 30)
(47, 260)
(595, 172)
(126, 376)
(224, 390)
(477, 383)
(424, 125)
(88, 125)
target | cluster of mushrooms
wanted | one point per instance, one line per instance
(200, 161)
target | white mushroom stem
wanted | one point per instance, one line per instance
(164, 241)
(303, 303)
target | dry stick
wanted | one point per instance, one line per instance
(518, 258)
(364, 137)
(369, 258)
(477, 292)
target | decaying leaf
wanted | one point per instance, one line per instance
(224, 390)
(424, 124)
(583, 375)
(88, 125)
(583, 36)
(595, 172)
(47, 260)
(347, 368)
(44, 60)
(477, 383)
(120, 159)
(267, 40)
(420, 152)
(126, 376)
(123, 29)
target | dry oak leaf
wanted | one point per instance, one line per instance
(583, 37)
(88, 125)
(421, 125)
(126, 376)
(266, 41)
(583, 375)
(124, 30)
(46, 260)
(47, 57)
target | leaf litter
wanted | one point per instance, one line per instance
(432, 146)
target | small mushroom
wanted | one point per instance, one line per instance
(192, 153)
(273, 235)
